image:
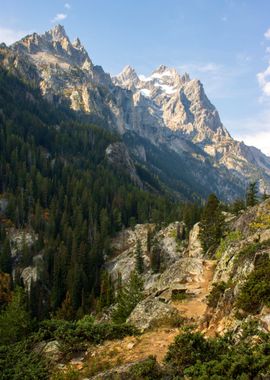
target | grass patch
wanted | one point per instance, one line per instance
(225, 243)
(180, 296)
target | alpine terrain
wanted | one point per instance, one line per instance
(134, 230)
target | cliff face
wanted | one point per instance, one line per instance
(166, 119)
(207, 292)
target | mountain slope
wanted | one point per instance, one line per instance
(171, 113)
(60, 198)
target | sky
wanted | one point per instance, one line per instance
(224, 43)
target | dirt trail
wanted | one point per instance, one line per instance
(156, 342)
(194, 307)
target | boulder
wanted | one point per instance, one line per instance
(181, 272)
(51, 350)
(194, 245)
(151, 312)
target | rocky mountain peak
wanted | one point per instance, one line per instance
(128, 78)
(57, 33)
(54, 47)
(165, 70)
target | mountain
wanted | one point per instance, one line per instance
(168, 124)
(181, 105)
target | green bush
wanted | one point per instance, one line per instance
(217, 291)
(20, 362)
(15, 321)
(145, 370)
(249, 250)
(76, 336)
(186, 350)
(192, 356)
(255, 292)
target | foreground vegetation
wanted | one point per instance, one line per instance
(242, 356)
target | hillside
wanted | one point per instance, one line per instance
(212, 294)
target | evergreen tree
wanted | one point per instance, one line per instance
(5, 257)
(238, 205)
(252, 194)
(211, 225)
(66, 310)
(178, 232)
(155, 257)
(184, 232)
(106, 290)
(139, 257)
(15, 320)
(128, 298)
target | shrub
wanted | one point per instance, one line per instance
(19, 361)
(15, 321)
(146, 370)
(192, 356)
(255, 292)
(75, 336)
(217, 291)
(186, 350)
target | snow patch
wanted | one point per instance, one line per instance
(166, 88)
(166, 73)
(145, 92)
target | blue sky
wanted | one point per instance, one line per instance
(224, 43)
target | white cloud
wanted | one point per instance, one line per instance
(259, 140)
(267, 34)
(264, 76)
(10, 35)
(254, 131)
(59, 17)
(264, 81)
(67, 6)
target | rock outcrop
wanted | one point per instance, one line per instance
(151, 313)
(187, 278)
(117, 154)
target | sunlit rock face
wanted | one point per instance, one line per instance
(165, 108)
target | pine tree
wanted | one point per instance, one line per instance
(139, 258)
(15, 320)
(66, 310)
(106, 290)
(252, 194)
(238, 205)
(155, 257)
(183, 232)
(128, 298)
(5, 257)
(211, 225)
